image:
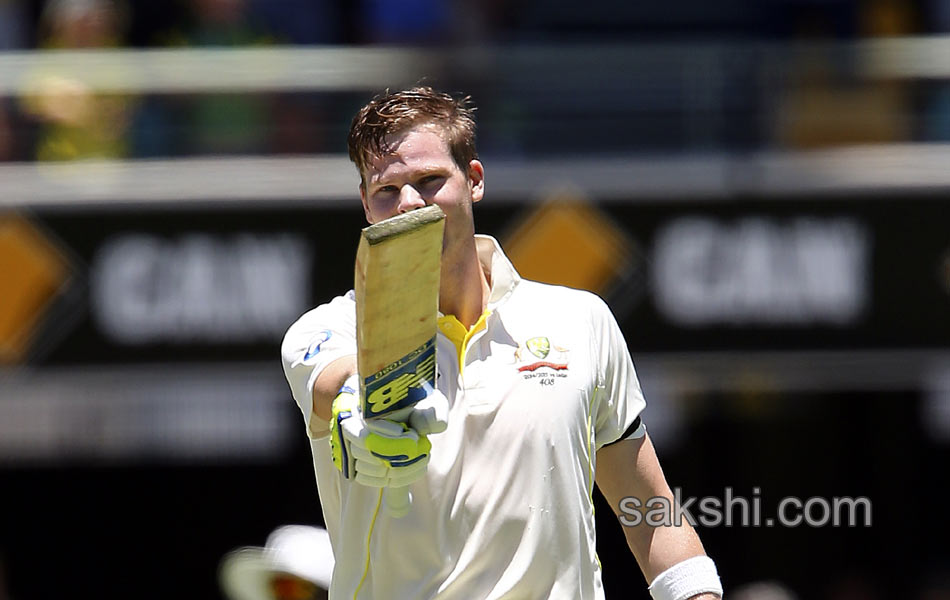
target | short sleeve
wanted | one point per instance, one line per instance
(318, 338)
(618, 399)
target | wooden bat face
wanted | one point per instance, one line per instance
(397, 298)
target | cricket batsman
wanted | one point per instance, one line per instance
(536, 401)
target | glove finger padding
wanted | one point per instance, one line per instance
(376, 481)
(403, 476)
(397, 444)
(368, 464)
(372, 475)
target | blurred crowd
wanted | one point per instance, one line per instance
(817, 101)
(60, 118)
(29, 23)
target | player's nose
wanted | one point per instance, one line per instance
(409, 199)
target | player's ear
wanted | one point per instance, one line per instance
(476, 178)
(369, 218)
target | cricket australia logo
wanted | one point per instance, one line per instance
(537, 358)
(539, 346)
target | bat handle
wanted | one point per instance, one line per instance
(397, 501)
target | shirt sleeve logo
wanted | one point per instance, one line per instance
(316, 344)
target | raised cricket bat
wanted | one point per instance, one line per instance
(397, 302)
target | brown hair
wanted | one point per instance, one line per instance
(392, 113)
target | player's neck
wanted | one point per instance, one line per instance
(464, 289)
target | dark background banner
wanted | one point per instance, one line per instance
(761, 275)
(147, 522)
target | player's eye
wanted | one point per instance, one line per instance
(430, 179)
(387, 189)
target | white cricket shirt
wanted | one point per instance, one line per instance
(505, 509)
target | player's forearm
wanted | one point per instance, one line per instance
(657, 548)
(328, 385)
(631, 470)
(662, 553)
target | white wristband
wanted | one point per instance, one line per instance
(686, 579)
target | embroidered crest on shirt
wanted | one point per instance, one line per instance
(537, 358)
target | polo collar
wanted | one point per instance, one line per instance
(504, 278)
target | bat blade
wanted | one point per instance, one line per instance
(397, 302)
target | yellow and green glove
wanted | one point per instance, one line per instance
(377, 453)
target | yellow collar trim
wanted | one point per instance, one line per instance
(453, 329)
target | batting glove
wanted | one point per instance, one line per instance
(375, 453)
(430, 415)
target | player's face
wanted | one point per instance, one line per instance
(418, 172)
